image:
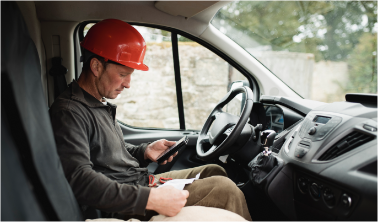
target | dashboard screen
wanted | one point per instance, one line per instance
(321, 119)
(274, 118)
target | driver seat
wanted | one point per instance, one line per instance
(33, 183)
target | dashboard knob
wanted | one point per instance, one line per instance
(329, 197)
(315, 191)
(312, 130)
(303, 184)
(346, 201)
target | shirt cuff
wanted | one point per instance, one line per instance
(141, 202)
(142, 161)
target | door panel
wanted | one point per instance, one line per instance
(137, 136)
(186, 157)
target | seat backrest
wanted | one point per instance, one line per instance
(33, 185)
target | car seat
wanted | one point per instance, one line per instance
(33, 184)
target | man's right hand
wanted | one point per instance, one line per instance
(167, 200)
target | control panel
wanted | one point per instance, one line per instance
(330, 199)
(315, 128)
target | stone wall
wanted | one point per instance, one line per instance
(151, 101)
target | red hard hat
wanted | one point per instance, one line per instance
(117, 41)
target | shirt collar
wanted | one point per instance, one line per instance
(87, 99)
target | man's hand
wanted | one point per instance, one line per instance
(154, 149)
(167, 200)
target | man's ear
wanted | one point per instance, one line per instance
(96, 67)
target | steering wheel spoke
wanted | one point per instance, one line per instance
(215, 114)
(205, 139)
(212, 148)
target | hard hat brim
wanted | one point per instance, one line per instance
(141, 67)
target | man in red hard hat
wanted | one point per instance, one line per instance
(106, 173)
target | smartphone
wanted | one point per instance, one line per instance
(173, 149)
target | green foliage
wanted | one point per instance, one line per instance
(330, 30)
(363, 65)
(342, 31)
(183, 39)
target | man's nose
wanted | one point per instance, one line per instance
(126, 82)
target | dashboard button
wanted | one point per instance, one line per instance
(370, 128)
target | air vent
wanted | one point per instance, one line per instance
(346, 144)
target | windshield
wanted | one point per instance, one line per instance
(322, 50)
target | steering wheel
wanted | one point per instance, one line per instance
(225, 126)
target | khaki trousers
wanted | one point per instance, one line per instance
(190, 214)
(213, 189)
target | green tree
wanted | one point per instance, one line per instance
(330, 30)
(363, 66)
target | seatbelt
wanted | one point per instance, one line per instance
(58, 71)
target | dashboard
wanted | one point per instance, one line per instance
(330, 170)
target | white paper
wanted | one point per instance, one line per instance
(180, 183)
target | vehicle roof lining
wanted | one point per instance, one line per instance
(183, 8)
(78, 11)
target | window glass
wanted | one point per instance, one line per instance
(321, 49)
(205, 79)
(87, 27)
(151, 100)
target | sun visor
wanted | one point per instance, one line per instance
(183, 8)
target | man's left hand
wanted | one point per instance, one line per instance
(154, 149)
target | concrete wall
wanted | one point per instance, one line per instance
(294, 69)
(328, 78)
(321, 81)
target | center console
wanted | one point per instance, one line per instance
(329, 162)
(315, 197)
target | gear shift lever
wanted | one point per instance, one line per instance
(257, 130)
(267, 139)
(264, 164)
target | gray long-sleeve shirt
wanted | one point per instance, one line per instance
(104, 172)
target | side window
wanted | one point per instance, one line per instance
(205, 79)
(151, 101)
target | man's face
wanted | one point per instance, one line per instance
(113, 80)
